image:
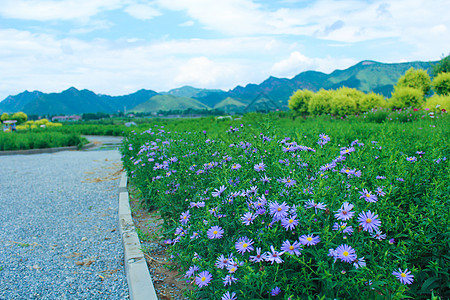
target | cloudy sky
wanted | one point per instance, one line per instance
(117, 47)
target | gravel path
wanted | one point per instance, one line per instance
(59, 236)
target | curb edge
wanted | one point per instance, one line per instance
(140, 284)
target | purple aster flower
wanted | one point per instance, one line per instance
(369, 221)
(347, 150)
(260, 167)
(203, 279)
(218, 192)
(392, 241)
(359, 263)
(380, 177)
(223, 261)
(278, 211)
(368, 196)
(258, 257)
(288, 182)
(229, 279)
(228, 296)
(348, 171)
(380, 192)
(184, 217)
(345, 213)
(232, 266)
(273, 256)
(191, 271)
(248, 218)
(198, 204)
(294, 248)
(236, 166)
(316, 206)
(343, 226)
(328, 166)
(400, 179)
(411, 158)
(333, 253)
(275, 291)
(289, 223)
(215, 232)
(405, 277)
(244, 244)
(346, 253)
(379, 235)
(195, 235)
(265, 179)
(309, 240)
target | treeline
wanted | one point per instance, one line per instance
(414, 89)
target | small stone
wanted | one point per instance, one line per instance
(84, 239)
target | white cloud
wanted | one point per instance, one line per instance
(142, 11)
(49, 10)
(297, 63)
(187, 23)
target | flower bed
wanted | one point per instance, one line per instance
(329, 211)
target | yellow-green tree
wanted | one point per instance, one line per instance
(441, 84)
(20, 117)
(418, 79)
(299, 101)
(406, 97)
(4, 117)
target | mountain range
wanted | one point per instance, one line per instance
(271, 94)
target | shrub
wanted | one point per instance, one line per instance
(438, 103)
(418, 79)
(299, 101)
(406, 97)
(320, 103)
(373, 100)
(441, 84)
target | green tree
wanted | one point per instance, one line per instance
(406, 97)
(320, 103)
(443, 66)
(299, 101)
(4, 117)
(20, 117)
(418, 79)
(441, 84)
(372, 100)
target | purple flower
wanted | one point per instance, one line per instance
(258, 257)
(346, 253)
(191, 271)
(343, 226)
(215, 232)
(203, 279)
(359, 263)
(184, 217)
(368, 196)
(229, 279)
(248, 218)
(289, 223)
(405, 277)
(236, 166)
(244, 244)
(227, 296)
(316, 206)
(345, 213)
(265, 179)
(223, 261)
(380, 192)
(260, 167)
(309, 240)
(380, 177)
(369, 221)
(275, 291)
(273, 256)
(218, 192)
(347, 150)
(278, 211)
(288, 182)
(294, 248)
(411, 158)
(379, 235)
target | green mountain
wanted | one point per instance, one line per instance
(230, 105)
(168, 102)
(273, 93)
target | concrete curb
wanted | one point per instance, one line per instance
(140, 283)
(44, 150)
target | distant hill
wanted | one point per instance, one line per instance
(272, 93)
(168, 102)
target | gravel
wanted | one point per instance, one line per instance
(59, 236)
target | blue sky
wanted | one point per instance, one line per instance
(117, 47)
